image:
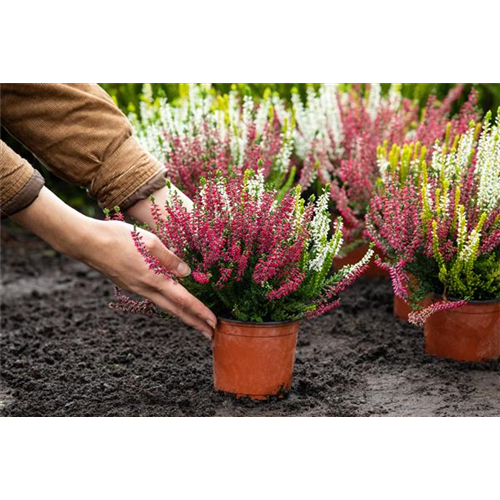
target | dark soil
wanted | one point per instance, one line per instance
(64, 353)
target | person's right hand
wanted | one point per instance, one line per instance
(110, 250)
(108, 247)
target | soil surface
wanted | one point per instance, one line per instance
(64, 353)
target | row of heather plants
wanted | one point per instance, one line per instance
(331, 138)
(278, 189)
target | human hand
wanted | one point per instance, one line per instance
(112, 252)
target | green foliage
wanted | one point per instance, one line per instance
(479, 281)
(488, 93)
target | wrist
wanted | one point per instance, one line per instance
(81, 238)
(141, 211)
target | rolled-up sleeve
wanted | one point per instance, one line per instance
(20, 183)
(78, 133)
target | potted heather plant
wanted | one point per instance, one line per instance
(439, 226)
(338, 130)
(262, 264)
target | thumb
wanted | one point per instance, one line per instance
(167, 258)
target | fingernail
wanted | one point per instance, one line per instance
(183, 269)
(211, 324)
(207, 334)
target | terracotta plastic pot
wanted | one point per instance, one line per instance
(355, 256)
(401, 308)
(468, 333)
(254, 359)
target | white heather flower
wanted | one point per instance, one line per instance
(317, 120)
(337, 240)
(438, 160)
(394, 98)
(355, 267)
(262, 116)
(467, 252)
(320, 226)
(331, 105)
(283, 157)
(374, 100)
(383, 166)
(487, 169)
(255, 185)
(465, 150)
(221, 187)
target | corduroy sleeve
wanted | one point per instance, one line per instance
(20, 183)
(79, 134)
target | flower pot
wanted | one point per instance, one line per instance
(254, 359)
(468, 333)
(401, 308)
(355, 256)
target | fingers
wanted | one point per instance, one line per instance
(184, 312)
(171, 296)
(167, 258)
(187, 303)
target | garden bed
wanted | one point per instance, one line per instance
(63, 352)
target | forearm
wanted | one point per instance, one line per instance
(68, 231)
(64, 228)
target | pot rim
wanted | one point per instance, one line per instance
(254, 324)
(472, 302)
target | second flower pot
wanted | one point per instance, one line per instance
(468, 333)
(355, 256)
(401, 308)
(254, 359)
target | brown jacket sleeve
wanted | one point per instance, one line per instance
(20, 183)
(78, 133)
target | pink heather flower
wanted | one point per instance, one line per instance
(287, 288)
(394, 220)
(202, 278)
(323, 309)
(418, 318)
(436, 117)
(127, 304)
(152, 262)
(225, 274)
(114, 215)
(399, 280)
